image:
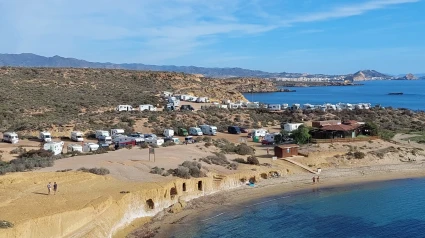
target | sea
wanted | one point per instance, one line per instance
(378, 209)
(374, 92)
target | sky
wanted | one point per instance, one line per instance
(305, 36)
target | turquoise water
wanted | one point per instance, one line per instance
(384, 209)
(374, 92)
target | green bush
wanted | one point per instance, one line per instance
(244, 149)
(144, 146)
(98, 171)
(359, 155)
(208, 144)
(253, 160)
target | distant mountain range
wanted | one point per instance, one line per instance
(33, 60)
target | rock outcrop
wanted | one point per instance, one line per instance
(408, 76)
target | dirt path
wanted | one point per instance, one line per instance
(403, 139)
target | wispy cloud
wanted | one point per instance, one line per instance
(157, 29)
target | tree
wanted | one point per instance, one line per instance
(372, 128)
(301, 135)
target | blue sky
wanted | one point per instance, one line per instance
(311, 36)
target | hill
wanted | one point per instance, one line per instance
(37, 98)
(32, 60)
(407, 77)
(367, 75)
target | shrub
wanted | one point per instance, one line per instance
(182, 172)
(244, 149)
(63, 170)
(253, 160)
(18, 150)
(154, 145)
(359, 155)
(208, 144)
(207, 139)
(5, 224)
(36, 153)
(129, 147)
(98, 171)
(198, 139)
(233, 166)
(240, 160)
(218, 159)
(168, 143)
(144, 146)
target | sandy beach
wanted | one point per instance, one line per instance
(116, 205)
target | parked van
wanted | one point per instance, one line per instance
(259, 132)
(168, 133)
(124, 140)
(195, 131)
(124, 108)
(100, 133)
(10, 137)
(274, 107)
(89, 147)
(208, 130)
(104, 140)
(116, 132)
(234, 130)
(74, 148)
(45, 136)
(270, 138)
(147, 107)
(183, 132)
(77, 136)
(55, 147)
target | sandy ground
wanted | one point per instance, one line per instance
(23, 195)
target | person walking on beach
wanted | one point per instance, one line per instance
(317, 179)
(49, 187)
(55, 187)
(314, 179)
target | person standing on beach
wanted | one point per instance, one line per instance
(49, 187)
(314, 179)
(55, 187)
(317, 179)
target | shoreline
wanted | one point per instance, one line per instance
(211, 206)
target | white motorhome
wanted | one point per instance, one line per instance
(185, 97)
(291, 126)
(208, 130)
(195, 131)
(10, 137)
(147, 107)
(55, 147)
(77, 136)
(166, 94)
(74, 148)
(174, 100)
(124, 140)
(259, 132)
(45, 136)
(89, 147)
(168, 133)
(124, 108)
(274, 107)
(202, 100)
(270, 137)
(154, 140)
(104, 139)
(101, 133)
(116, 132)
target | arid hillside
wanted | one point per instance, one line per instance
(37, 98)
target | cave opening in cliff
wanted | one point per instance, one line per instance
(173, 192)
(200, 185)
(150, 204)
(184, 187)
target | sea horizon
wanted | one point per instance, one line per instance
(373, 92)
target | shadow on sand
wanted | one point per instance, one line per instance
(40, 193)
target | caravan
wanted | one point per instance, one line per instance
(168, 133)
(55, 147)
(74, 148)
(124, 108)
(259, 132)
(274, 107)
(101, 133)
(77, 136)
(195, 131)
(116, 132)
(288, 127)
(45, 136)
(208, 130)
(89, 147)
(10, 137)
(147, 107)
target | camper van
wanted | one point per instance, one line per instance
(270, 138)
(104, 140)
(183, 132)
(154, 140)
(45, 136)
(195, 131)
(101, 133)
(259, 132)
(77, 136)
(116, 132)
(274, 107)
(89, 147)
(291, 126)
(124, 108)
(74, 148)
(168, 133)
(10, 137)
(202, 100)
(208, 130)
(234, 130)
(55, 147)
(147, 107)
(124, 140)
